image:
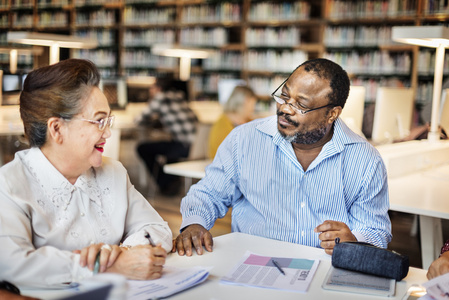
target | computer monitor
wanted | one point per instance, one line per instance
(444, 111)
(225, 88)
(12, 82)
(352, 113)
(392, 114)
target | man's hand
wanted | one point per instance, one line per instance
(330, 230)
(193, 234)
(439, 266)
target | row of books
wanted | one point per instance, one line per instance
(96, 18)
(263, 61)
(273, 37)
(103, 58)
(362, 36)
(373, 62)
(208, 13)
(53, 19)
(4, 21)
(142, 16)
(148, 37)
(426, 63)
(344, 9)
(255, 37)
(274, 61)
(21, 59)
(286, 11)
(22, 3)
(52, 3)
(215, 36)
(105, 37)
(145, 59)
(435, 6)
(22, 20)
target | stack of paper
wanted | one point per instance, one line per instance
(173, 280)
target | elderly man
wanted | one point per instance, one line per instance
(302, 176)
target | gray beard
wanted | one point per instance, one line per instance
(306, 138)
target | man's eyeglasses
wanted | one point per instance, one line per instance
(283, 100)
(102, 123)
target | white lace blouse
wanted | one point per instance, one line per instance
(43, 217)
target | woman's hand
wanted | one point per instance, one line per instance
(142, 262)
(108, 256)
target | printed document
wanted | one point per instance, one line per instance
(282, 273)
(438, 287)
(173, 280)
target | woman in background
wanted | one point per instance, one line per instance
(64, 207)
(237, 110)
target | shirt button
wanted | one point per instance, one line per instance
(303, 233)
(303, 204)
(82, 214)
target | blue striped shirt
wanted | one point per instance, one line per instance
(257, 173)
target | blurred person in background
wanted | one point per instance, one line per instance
(238, 109)
(169, 106)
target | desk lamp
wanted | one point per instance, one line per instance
(54, 41)
(433, 37)
(185, 56)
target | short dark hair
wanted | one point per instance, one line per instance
(338, 78)
(55, 91)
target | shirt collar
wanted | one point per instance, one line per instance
(57, 188)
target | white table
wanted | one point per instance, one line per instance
(425, 194)
(192, 169)
(230, 248)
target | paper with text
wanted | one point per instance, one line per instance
(173, 280)
(260, 271)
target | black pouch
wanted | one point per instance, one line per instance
(369, 259)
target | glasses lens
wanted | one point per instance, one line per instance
(102, 124)
(111, 121)
(278, 99)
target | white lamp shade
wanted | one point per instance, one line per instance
(426, 36)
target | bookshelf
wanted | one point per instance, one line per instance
(260, 41)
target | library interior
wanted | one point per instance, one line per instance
(398, 99)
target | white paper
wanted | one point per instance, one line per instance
(438, 287)
(173, 280)
(259, 271)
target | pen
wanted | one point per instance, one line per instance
(148, 236)
(276, 264)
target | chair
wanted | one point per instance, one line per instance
(352, 113)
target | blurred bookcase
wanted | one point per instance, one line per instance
(259, 41)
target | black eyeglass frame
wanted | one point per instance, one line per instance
(297, 109)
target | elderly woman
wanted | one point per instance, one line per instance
(65, 208)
